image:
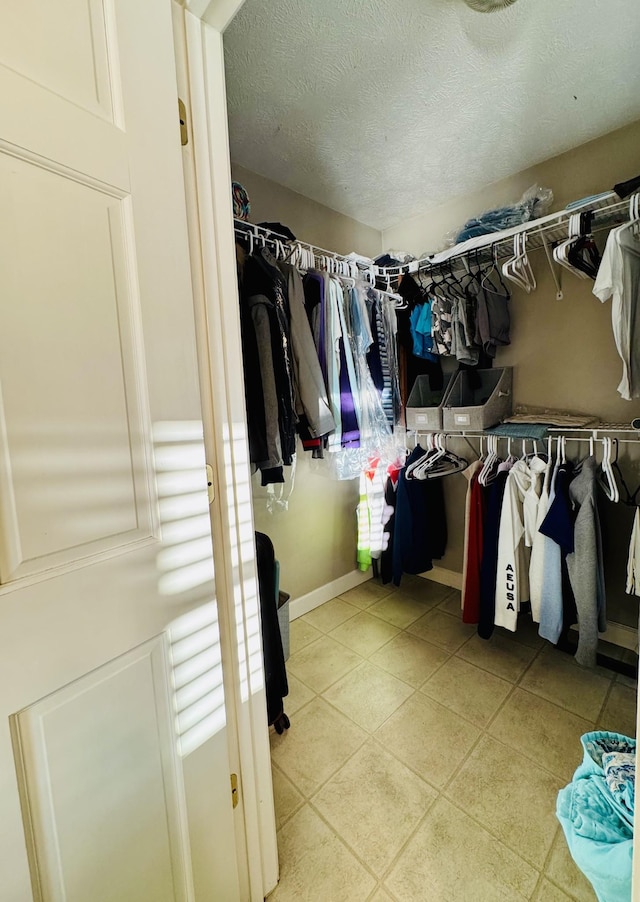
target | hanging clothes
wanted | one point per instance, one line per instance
(463, 347)
(585, 565)
(558, 606)
(384, 326)
(512, 585)
(350, 412)
(538, 548)
(307, 344)
(370, 513)
(375, 425)
(312, 406)
(329, 337)
(489, 566)
(493, 321)
(422, 330)
(537, 471)
(313, 285)
(420, 531)
(410, 366)
(633, 563)
(441, 311)
(388, 522)
(473, 544)
(619, 279)
(268, 367)
(354, 333)
(550, 592)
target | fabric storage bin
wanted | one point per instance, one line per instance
(424, 405)
(478, 399)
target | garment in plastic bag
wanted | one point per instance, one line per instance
(533, 204)
(376, 437)
(598, 826)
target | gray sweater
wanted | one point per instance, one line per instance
(585, 563)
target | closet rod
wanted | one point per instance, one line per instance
(569, 434)
(345, 268)
(608, 210)
(242, 227)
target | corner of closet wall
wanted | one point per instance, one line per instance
(315, 540)
(308, 220)
(562, 352)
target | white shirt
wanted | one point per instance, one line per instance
(536, 565)
(537, 469)
(633, 564)
(619, 278)
(512, 572)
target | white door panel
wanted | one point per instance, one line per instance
(73, 748)
(38, 124)
(61, 46)
(77, 482)
(104, 527)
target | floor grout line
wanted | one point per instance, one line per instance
(345, 843)
(439, 792)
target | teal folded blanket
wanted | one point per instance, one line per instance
(598, 823)
(534, 431)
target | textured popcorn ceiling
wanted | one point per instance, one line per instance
(383, 109)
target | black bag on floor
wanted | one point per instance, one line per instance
(274, 667)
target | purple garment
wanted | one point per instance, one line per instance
(350, 430)
(315, 304)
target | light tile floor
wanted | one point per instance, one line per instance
(423, 763)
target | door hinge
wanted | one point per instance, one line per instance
(184, 131)
(210, 486)
(234, 790)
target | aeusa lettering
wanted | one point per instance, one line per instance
(511, 586)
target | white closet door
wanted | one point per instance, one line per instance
(104, 526)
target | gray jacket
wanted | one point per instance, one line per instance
(585, 564)
(309, 387)
(258, 307)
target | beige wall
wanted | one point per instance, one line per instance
(589, 169)
(309, 221)
(562, 352)
(315, 540)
